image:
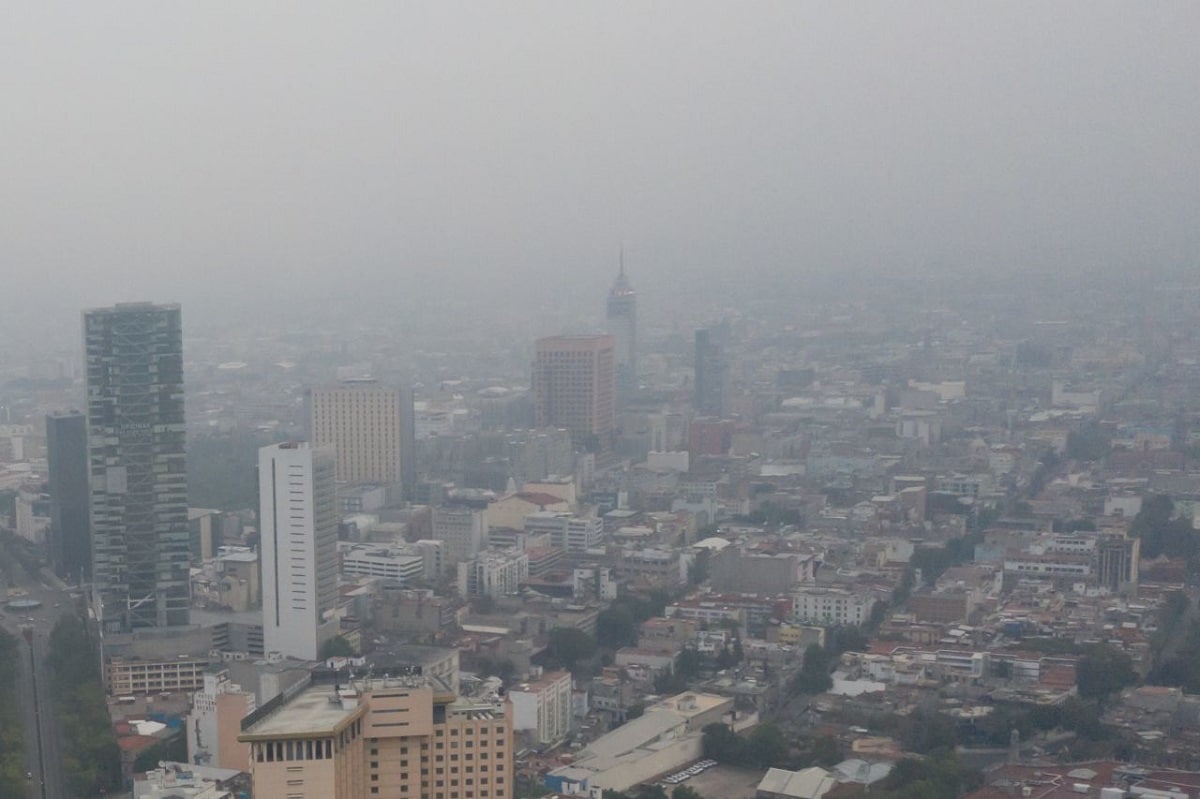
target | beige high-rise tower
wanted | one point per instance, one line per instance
(369, 426)
(574, 386)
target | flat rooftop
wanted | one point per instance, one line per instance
(315, 711)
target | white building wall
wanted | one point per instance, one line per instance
(298, 520)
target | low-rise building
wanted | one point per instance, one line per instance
(832, 606)
(215, 722)
(809, 783)
(183, 781)
(398, 564)
(493, 574)
(666, 736)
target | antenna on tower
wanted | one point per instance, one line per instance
(621, 259)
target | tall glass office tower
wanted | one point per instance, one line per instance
(136, 466)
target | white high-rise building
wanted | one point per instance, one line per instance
(299, 521)
(370, 428)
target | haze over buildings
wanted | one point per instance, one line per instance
(894, 449)
(720, 144)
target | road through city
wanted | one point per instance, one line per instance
(43, 753)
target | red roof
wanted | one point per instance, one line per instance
(136, 743)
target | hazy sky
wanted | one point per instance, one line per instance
(172, 150)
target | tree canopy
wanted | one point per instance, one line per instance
(764, 747)
(813, 677)
(1103, 670)
(1161, 534)
(12, 735)
(91, 758)
(336, 647)
(568, 647)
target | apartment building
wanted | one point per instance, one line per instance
(493, 574)
(463, 529)
(832, 606)
(569, 533)
(542, 707)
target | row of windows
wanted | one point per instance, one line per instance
(483, 794)
(284, 751)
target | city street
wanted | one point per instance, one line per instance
(42, 748)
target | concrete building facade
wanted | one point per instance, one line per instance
(393, 738)
(370, 428)
(493, 574)
(542, 707)
(70, 526)
(463, 529)
(215, 722)
(574, 387)
(298, 519)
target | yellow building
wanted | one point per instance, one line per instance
(369, 427)
(391, 738)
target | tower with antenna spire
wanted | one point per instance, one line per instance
(621, 317)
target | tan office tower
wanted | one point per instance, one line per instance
(369, 426)
(391, 738)
(574, 387)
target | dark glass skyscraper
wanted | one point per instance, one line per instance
(622, 326)
(136, 437)
(712, 373)
(70, 528)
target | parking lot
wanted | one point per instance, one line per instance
(725, 782)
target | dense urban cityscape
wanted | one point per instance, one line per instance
(817, 549)
(600, 400)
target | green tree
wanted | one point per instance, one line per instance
(824, 751)
(698, 570)
(221, 470)
(616, 626)
(1103, 670)
(685, 792)
(723, 745)
(336, 647)
(813, 677)
(92, 760)
(503, 668)
(1089, 443)
(12, 736)
(568, 646)
(764, 747)
(767, 745)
